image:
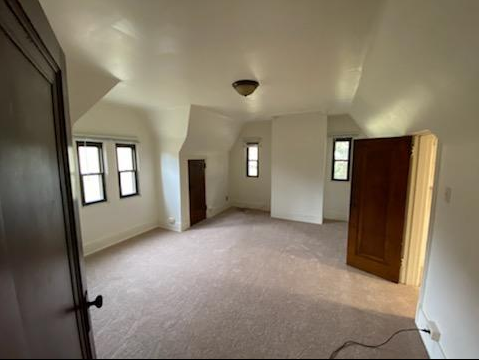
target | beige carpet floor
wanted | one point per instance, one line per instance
(243, 285)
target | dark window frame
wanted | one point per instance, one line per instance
(248, 145)
(135, 169)
(336, 140)
(101, 159)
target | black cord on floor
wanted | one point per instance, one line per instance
(348, 344)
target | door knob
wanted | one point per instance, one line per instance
(98, 302)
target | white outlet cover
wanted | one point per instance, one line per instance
(435, 333)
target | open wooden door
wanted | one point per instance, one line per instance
(196, 175)
(44, 310)
(378, 205)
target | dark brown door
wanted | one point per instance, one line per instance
(196, 174)
(43, 308)
(378, 205)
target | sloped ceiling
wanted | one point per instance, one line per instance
(210, 132)
(87, 86)
(307, 54)
(422, 71)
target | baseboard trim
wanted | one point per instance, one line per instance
(171, 227)
(212, 212)
(336, 215)
(297, 217)
(253, 206)
(95, 246)
(434, 349)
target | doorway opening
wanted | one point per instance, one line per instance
(419, 208)
(391, 204)
(197, 189)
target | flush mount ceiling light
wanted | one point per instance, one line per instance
(245, 87)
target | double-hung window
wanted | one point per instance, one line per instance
(92, 172)
(252, 160)
(341, 159)
(127, 170)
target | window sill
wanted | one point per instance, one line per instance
(129, 196)
(94, 203)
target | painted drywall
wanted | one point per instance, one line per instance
(343, 125)
(298, 164)
(87, 85)
(421, 73)
(245, 192)
(337, 194)
(308, 54)
(169, 128)
(105, 224)
(210, 137)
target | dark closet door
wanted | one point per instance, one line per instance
(43, 312)
(378, 205)
(196, 174)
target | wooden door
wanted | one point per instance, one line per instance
(43, 312)
(196, 175)
(378, 205)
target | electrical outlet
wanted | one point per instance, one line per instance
(435, 333)
(171, 221)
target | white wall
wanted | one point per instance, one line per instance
(210, 137)
(298, 167)
(87, 85)
(118, 219)
(421, 73)
(337, 194)
(169, 128)
(168, 168)
(245, 192)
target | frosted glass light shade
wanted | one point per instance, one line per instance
(245, 87)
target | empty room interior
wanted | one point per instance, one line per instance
(239, 179)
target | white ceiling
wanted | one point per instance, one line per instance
(307, 54)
